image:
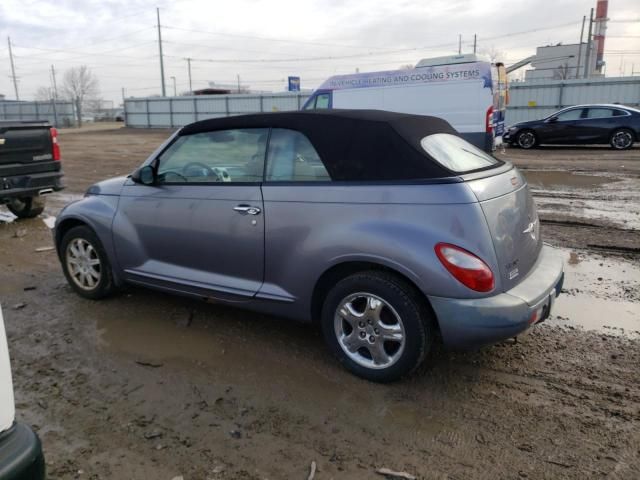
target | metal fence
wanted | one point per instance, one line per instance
(537, 99)
(178, 111)
(528, 101)
(59, 114)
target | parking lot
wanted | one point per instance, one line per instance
(145, 385)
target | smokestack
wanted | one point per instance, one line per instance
(599, 32)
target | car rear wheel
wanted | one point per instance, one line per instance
(526, 139)
(85, 263)
(621, 139)
(377, 326)
(26, 207)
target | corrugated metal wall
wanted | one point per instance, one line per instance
(178, 111)
(537, 99)
(17, 111)
(528, 101)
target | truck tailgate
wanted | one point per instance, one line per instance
(25, 144)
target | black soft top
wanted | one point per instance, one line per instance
(355, 145)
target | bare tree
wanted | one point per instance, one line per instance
(78, 85)
(43, 94)
(494, 54)
(561, 72)
(407, 66)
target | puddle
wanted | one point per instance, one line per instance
(557, 179)
(602, 294)
(276, 358)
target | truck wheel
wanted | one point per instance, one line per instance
(26, 207)
(621, 139)
(377, 326)
(85, 263)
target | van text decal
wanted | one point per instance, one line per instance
(465, 71)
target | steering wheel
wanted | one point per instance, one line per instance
(200, 170)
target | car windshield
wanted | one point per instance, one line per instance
(456, 154)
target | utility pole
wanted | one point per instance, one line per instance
(124, 107)
(189, 68)
(55, 85)
(459, 44)
(587, 62)
(13, 69)
(584, 19)
(164, 91)
(175, 93)
(238, 83)
(55, 97)
(475, 42)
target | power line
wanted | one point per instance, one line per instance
(268, 39)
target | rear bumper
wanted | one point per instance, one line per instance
(21, 455)
(29, 185)
(471, 323)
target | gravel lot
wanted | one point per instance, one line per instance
(145, 385)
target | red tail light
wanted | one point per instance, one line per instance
(465, 267)
(55, 146)
(489, 120)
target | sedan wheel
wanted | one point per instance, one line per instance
(621, 139)
(526, 139)
(377, 325)
(369, 330)
(85, 263)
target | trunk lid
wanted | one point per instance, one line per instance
(25, 143)
(511, 215)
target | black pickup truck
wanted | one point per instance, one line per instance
(29, 166)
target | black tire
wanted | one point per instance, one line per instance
(526, 139)
(414, 316)
(26, 207)
(621, 139)
(104, 286)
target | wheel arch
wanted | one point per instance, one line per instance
(341, 270)
(67, 224)
(635, 135)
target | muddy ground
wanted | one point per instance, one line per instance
(149, 386)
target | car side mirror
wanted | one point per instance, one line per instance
(145, 175)
(552, 119)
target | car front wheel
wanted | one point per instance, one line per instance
(621, 139)
(526, 139)
(377, 326)
(85, 263)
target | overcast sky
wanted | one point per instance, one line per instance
(117, 39)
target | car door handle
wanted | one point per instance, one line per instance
(247, 209)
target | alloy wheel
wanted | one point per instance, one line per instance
(622, 140)
(369, 330)
(83, 263)
(526, 140)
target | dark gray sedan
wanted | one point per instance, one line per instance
(389, 230)
(616, 125)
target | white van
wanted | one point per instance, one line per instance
(466, 90)
(20, 450)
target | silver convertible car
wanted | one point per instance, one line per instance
(388, 230)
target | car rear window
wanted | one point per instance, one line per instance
(456, 154)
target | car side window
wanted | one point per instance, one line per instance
(600, 113)
(322, 101)
(292, 158)
(214, 157)
(569, 115)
